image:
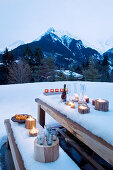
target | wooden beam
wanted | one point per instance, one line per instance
(18, 162)
(80, 150)
(41, 116)
(97, 144)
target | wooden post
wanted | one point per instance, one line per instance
(41, 116)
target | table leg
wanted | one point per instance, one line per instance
(41, 116)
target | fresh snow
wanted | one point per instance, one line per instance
(20, 98)
(26, 148)
(68, 72)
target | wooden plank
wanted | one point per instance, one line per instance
(97, 144)
(80, 150)
(18, 162)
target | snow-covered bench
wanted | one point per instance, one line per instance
(22, 148)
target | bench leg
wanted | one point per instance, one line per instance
(41, 116)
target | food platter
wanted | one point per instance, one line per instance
(19, 121)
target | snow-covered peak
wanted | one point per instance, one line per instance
(66, 40)
(15, 44)
(110, 51)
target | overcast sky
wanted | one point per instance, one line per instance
(28, 19)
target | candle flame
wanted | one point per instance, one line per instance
(30, 118)
(82, 107)
(101, 100)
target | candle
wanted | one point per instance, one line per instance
(76, 97)
(72, 105)
(101, 100)
(83, 109)
(51, 90)
(87, 99)
(56, 90)
(30, 123)
(46, 90)
(33, 132)
(61, 90)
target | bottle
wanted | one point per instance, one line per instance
(63, 96)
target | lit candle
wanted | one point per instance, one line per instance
(83, 109)
(72, 105)
(87, 99)
(76, 97)
(101, 100)
(30, 123)
(33, 132)
(46, 90)
(61, 90)
(56, 90)
(51, 90)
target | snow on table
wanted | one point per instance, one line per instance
(26, 148)
(98, 122)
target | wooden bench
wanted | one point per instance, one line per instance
(97, 144)
(18, 162)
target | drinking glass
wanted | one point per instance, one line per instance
(54, 134)
(40, 138)
(49, 139)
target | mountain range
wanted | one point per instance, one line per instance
(65, 49)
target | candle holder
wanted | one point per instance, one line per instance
(102, 105)
(30, 123)
(83, 109)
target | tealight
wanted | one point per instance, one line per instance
(33, 132)
(56, 90)
(72, 105)
(83, 109)
(46, 90)
(51, 90)
(101, 100)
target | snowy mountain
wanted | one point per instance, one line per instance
(65, 49)
(13, 46)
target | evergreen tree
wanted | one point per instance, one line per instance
(38, 56)
(28, 54)
(111, 76)
(7, 58)
(91, 74)
(105, 70)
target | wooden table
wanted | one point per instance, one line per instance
(98, 145)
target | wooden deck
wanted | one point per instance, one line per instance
(18, 162)
(98, 145)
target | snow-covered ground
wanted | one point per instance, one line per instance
(20, 98)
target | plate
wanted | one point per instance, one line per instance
(19, 121)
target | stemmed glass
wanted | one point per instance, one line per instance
(82, 92)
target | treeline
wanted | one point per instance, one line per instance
(34, 67)
(97, 70)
